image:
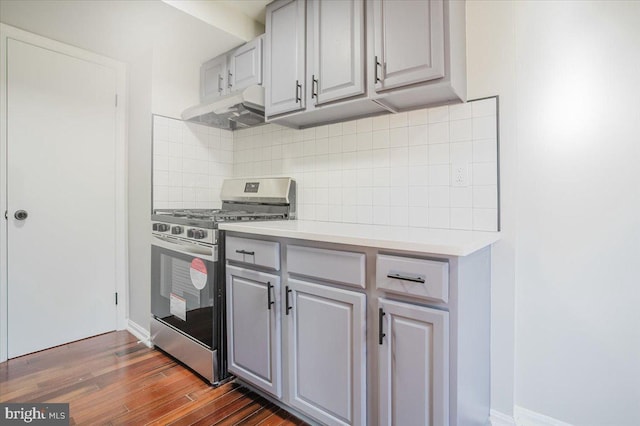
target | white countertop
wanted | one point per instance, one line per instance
(426, 240)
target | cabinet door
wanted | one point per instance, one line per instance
(253, 324)
(409, 42)
(285, 56)
(326, 352)
(336, 44)
(213, 78)
(245, 65)
(413, 367)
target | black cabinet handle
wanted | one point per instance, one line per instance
(269, 301)
(314, 87)
(250, 253)
(298, 91)
(289, 307)
(399, 276)
(381, 335)
(377, 64)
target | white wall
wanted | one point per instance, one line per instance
(578, 269)
(568, 76)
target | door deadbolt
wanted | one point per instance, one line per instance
(21, 214)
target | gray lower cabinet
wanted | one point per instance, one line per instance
(413, 365)
(326, 352)
(253, 318)
(352, 335)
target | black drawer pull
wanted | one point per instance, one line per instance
(399, 276)
(269, 301)
(289, 307)
(381, 335)
(250, 253)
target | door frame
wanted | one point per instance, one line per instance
(121, 262)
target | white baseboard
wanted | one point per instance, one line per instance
(140, 332)
(526, 417)
(500, 419)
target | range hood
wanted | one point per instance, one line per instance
(241, 109)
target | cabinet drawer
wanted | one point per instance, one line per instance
(254, 252)
(424, 279)
(332, 265)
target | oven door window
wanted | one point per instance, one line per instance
(182, 293)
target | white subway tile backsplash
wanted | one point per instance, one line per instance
(364, 125)
(419, 196)
(335, 129)
(398, 215)
(485, 174)
(418, 135)
(418, 175)
(439, 153)
(439, 196)
(461, 111)
(398, 137)
(439, 175)
(392, 169)
(461, 197)
(349, 127)
(398, 120)
(461, 218)
(485, 219)
(418, 117)
(439, 217)
(418, 155)
(380, 139)
(439, 114)
(438, 133)
(484, 127)
(380, 122)
(461, 130)
(418, 216)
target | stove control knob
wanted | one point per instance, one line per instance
(190, 233)
(176, 230)
(199, 234)
(160, 227)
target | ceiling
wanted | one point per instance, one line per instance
(254, 9)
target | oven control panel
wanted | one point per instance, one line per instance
(192, 233)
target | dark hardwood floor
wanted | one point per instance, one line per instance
(111, 379)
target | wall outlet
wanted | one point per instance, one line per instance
(460, 174)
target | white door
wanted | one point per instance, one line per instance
(284, 56)
(326, 346)
(337, 49)
(253, 323)
(61, 154)
(409, 42)
(413, 365)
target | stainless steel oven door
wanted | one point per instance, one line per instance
(183, 287)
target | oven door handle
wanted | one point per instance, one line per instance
(207, 253)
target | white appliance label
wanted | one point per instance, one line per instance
(178, 306)
(198, 273)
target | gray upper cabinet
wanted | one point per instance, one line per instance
(213, 78)
(245, 65)
(285, 56)
(336, 49)
(409, 42)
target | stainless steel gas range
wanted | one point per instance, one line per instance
(187, 270)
